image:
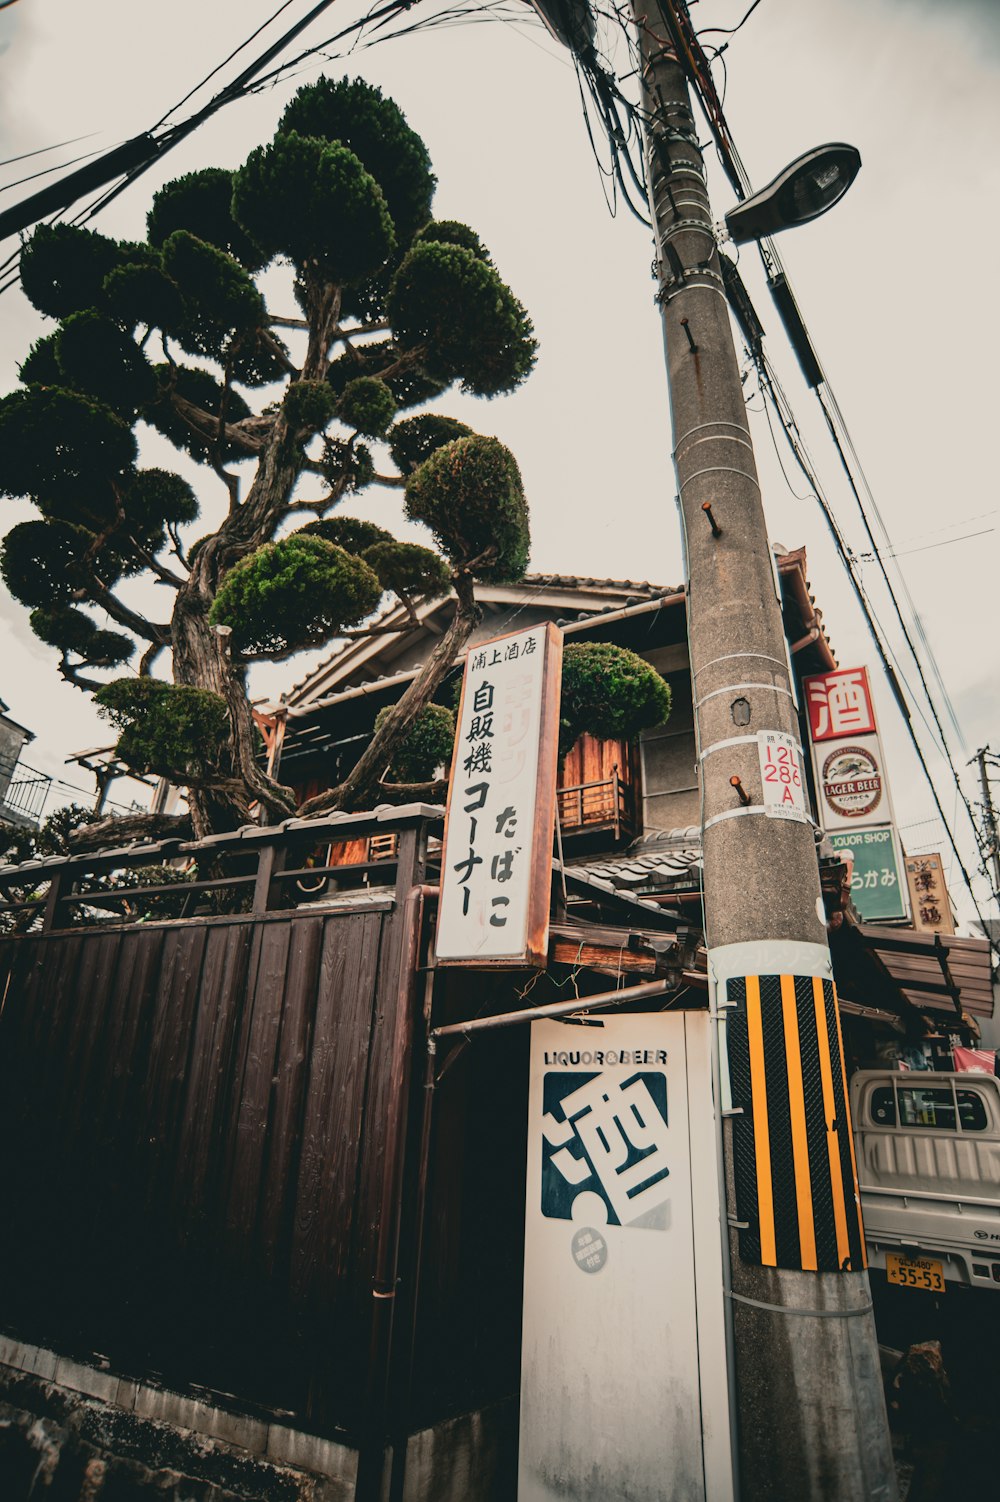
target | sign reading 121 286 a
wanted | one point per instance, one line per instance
(496, 865)
(782, 784)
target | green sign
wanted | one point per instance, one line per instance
(876, 889)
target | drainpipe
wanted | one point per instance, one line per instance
(385, 1263)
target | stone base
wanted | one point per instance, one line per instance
(84, 1434)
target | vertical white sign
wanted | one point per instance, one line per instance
(781, 779)
(497, 857)
(624, 1390)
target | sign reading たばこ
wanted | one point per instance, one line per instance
(496, 866)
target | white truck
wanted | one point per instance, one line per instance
(928, 1156)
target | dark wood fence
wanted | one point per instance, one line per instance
(194, 1125)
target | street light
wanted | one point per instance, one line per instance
(806, 188)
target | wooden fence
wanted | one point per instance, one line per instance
(196, 1124)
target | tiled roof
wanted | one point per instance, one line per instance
(530, 583)
(654, 863)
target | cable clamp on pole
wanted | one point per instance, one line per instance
(741, 1298)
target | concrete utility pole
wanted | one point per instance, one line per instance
(992, 837)
(812, 1422)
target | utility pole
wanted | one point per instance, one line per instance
(811, 1411)
(992, 835)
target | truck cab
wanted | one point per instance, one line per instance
(928, 1158)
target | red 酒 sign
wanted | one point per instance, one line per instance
(840, 704)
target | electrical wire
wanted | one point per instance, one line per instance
(41, 150)
(773, 391)
(56, 167)
(729, 30)
(219, 66)
(686, 43)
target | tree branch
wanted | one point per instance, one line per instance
(130, 619)
(241, 434)
(279, 352)
(148, 657)
(414, 792)
(73, 675)
(397, 481)
(379, 752)
(161, 571)
(106, 833)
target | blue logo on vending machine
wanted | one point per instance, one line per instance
(607, 1137)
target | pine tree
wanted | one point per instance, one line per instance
(395, 308)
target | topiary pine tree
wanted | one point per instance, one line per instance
(176, 333)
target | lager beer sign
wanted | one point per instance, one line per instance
(851, 784)
(851, 788)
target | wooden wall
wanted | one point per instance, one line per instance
(191, 1143)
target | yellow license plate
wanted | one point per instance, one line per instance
(923, 1272)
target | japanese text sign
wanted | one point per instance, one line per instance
(876, 889)
(782, 783)
(929, 894)
(840, 704)
(496, 863)
(623, 1351)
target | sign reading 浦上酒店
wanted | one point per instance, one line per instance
(496, 865)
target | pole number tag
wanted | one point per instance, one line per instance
(781, 780)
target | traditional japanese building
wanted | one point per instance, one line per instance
(270, 1158)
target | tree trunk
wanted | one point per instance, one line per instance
(365, 776)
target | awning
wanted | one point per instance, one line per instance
(935, 972)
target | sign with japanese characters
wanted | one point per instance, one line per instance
(929, 894)
(781, 780)
(851, 783)
(839, 704)
(496, 865)
(623, 1369)
(851, 787)
(877, 889)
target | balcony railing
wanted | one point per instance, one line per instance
(597, 805)
(26, 793)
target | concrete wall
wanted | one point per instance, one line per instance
(12, 738)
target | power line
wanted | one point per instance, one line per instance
(41, 150)
(677, 19)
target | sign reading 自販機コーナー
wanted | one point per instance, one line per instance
(496, 865)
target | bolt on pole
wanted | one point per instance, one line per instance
(811, 1411)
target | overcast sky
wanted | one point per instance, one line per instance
(896, 285)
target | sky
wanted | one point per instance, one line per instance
(894, 285)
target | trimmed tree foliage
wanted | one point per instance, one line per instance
(175, 332)
(386, 308)
(608, 691)
(426, 746)
(469, 493)
(292, 594)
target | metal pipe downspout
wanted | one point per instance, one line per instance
(385, 1262)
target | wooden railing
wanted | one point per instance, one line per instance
(252, 871)
(597, 805)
